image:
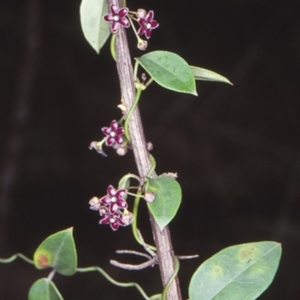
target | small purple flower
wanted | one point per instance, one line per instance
(114, 134)
(114, 219)
(114, 199)
(147, 24)
(117, 17)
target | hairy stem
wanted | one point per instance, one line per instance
(162, 239)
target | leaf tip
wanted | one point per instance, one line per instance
(97, 49)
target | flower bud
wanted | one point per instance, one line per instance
(141, 13)
(171, 175)
(149, 146)
(127, 217)
(123, 107)
(95, 203)
(121, 151)
(149, 197)
(142, 45)
(98, 147)
(103, 210)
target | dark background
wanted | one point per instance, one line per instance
(236, 149)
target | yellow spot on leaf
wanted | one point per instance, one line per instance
(217, 271)
(247, 253)
(43, 261)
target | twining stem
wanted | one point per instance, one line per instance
(167, 286)
(162, 238)
(112, 46)
(132, 108)
(14, 257)
(134, 224)
(117, 283)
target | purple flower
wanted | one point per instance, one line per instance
(114, 134)
(147, 24)
(114, 219)
(117, 17)
(114, 199)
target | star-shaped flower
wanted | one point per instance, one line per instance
(117, 17)
(147, 24)
(113, 219)
(114, 134)
(114, 199)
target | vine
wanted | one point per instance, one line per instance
(237, 272)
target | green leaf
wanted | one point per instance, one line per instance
(57, 251)
(240, 272)
(167, 194)
(207, 75)
(169, 70)
(95, 28)
(44, 289)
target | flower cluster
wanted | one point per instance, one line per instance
(112, 208)
(118, 17)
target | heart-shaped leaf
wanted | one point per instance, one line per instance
(169, 70)
(236, 273)
(94, 27)
(57, 251)
(207, 75)
(167, 194)
(44, 289)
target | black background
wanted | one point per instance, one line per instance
(236, 149)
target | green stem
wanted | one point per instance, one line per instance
(112, 46)
(14, 257)
(152, 169)
(117, 283)
(135, 70)
(153, 165)
(148, 82)
(135, 214)
(134, 223)
(176, 270)
(134, 30)
(136, 100)
(136, 205)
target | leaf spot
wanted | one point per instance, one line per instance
(43, 261)
(217, 271)
(247, 254)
